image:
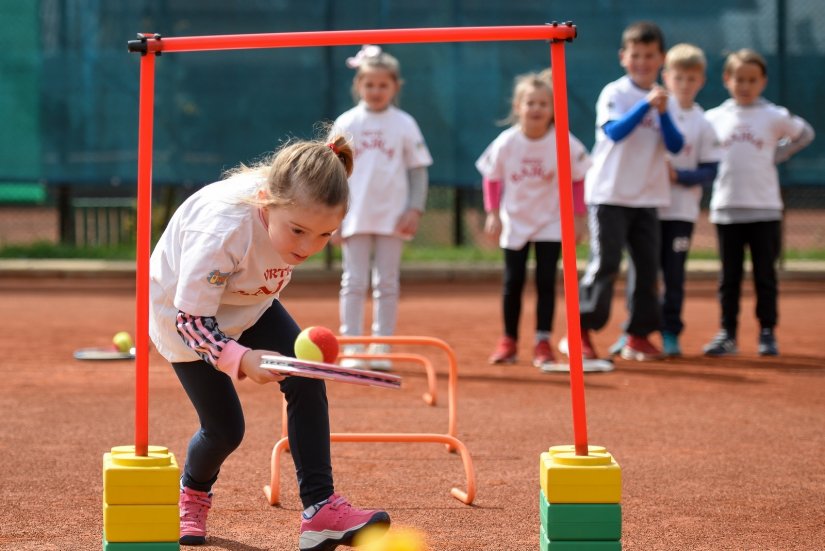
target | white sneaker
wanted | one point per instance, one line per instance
(380, 364)
(355, 363)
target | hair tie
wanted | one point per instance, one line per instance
(333, 147)
(366, 51)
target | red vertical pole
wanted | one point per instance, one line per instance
(144, 238)
(568, 245)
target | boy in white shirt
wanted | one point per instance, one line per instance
(628, 181)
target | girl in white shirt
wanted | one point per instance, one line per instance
(388, 193)
(522, 203)
(746, 204)
(215, 277)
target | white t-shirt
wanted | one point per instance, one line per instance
(386, 145)
(700, 146)
(527, 171)
(214, 259)
(631, 172)
(748, 135)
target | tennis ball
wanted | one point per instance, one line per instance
(317, 344)
(123, 341)
(403, 539)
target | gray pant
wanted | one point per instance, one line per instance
(612, 228)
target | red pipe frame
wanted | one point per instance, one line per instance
(555, 33)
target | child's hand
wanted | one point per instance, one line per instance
(657, 98)
(674, 177)
(251, 367)
(492, 224)
(407, 224)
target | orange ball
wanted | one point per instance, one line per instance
(317, 344)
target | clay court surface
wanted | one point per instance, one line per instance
(715, 454)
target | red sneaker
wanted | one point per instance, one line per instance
(194, 506)
(505, 352)
(543, 354)
(640, 349)
(336, 523)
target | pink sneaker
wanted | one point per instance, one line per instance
(194, 506)
(337, 523)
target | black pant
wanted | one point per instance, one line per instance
(222, 421)
(612, 228)
(764, 241)
(676, 236)
(515, 274)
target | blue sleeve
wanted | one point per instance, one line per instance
(673, 138)
(619, 129)
(703, 175)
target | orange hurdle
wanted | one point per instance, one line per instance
(272, 491)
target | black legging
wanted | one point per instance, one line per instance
(515, 274)
(222, 422)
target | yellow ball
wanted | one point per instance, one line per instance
(317, 344)
(123, 341)
(397, 539)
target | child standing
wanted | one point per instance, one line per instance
(216, 274)
(627, 183)
(691, 170)
(521, 200)
(388, 194)
(746, 205)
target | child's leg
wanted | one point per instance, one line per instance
(355, 260)
(643, 240)
(386, 284)
(676, 236)
(732, 239)
(307, 407)
(764, 240)
(221, 422)
(608, 233)
(515, 273)
(547, 258)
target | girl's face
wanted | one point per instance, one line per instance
(642, 61)
(745, 83)
(534, 109)
(299, 231)
(376, 87)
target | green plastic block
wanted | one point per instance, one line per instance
(546, 544)
(580, 521)
(140, 546)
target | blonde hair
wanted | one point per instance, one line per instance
(302, 170)
(522, 85)
(741, 57)
(685, 56)
(371, 58)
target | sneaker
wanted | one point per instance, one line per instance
(670, 344)
(640, 349)
(380, 364)
(588, 352)
(616, 348)
(505, 352)
(721, 345)
(194, 506)
(336, 523)
(543, 354)
(767, 343)
(355, 363)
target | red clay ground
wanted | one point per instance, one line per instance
(715, 454)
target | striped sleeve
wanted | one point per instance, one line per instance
(204, 337)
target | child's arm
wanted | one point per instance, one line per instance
(788, 147)
(492, 202)
(673, 138)
(418, 183)
(617, 130)
(703, 175)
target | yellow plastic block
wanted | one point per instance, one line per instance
(569, 478)
(129, 479)
(141, 523)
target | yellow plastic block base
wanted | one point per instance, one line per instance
(569, 478)
(129, 479)
(141, 523)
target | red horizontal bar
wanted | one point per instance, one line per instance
(358, 37)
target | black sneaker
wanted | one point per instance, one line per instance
(767, 343)
(722, 345)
